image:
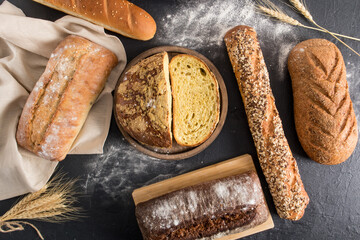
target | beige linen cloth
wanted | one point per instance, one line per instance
(25, 46)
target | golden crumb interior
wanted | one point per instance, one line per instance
(196, 103)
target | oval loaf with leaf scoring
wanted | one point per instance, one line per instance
(324, 115)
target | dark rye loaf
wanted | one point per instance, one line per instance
(205, 211)
(324, 115)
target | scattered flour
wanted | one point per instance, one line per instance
(122, 168)
(353, 76)
(199, 25)
(202, 24)
(284, 51)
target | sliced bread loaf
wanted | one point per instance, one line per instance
(143, 101)
(196, 100)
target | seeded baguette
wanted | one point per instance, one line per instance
(276, 160)
(118, 16)
(61, 99)
(324, 115)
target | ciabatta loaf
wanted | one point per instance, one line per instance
(118, 16)
(143, 101)
(276, 160)
(196, 100)
(61, 99)
(324, 116)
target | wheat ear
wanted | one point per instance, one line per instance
(279, 15)
(52, 203)
(300, 6)
(271, 10)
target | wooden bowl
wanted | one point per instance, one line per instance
(176, 152)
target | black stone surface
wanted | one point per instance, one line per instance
(107, 180)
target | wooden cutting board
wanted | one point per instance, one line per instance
(227, 168)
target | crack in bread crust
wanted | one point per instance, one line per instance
(61, 99)
(51, 96)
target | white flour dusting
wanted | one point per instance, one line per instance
(284, 51)
(198, 25)
(203, 24)
(353, 76)
(122, 168)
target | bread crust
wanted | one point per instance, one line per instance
(119, 16)
(61, 99)
(143, 102)
(176, 111)
(275, 157)
(209, 210)
(324, 116)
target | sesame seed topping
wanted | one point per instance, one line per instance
(276, 160)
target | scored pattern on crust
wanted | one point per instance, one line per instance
(325, 121)
(124, 18)
(61, 99)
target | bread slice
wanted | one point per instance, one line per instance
(143, 101)
(196, 100)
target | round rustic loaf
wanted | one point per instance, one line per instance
(143, 101)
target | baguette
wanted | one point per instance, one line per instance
(276, 160)
(324, 115)
(59, 103)
(119, 16)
